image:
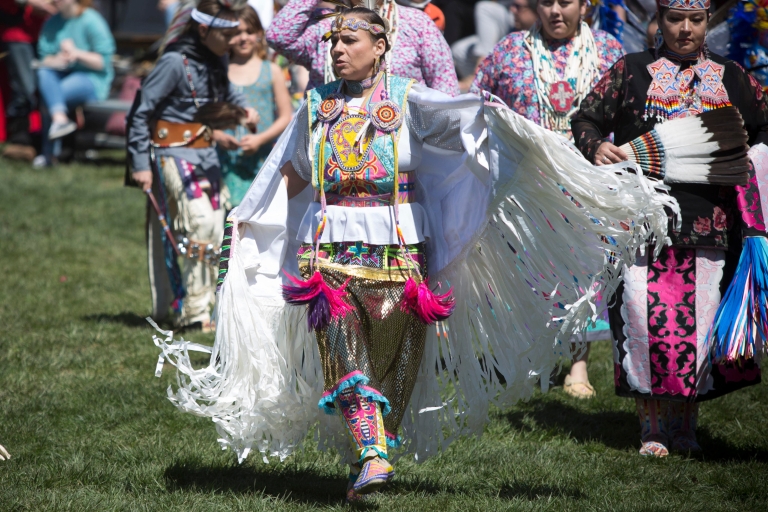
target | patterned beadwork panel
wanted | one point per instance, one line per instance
(373, 261)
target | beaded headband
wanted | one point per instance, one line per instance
(342, 23)
(213, 21)
(685, 5)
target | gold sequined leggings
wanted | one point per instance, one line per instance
(377, 347)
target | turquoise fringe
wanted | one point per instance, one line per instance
(326, 403)
(394, 443)
(741, 321)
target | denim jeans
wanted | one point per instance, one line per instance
(62, 91)
(23, 100)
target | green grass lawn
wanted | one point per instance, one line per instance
(89, 427)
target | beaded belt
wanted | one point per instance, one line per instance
(407, 189)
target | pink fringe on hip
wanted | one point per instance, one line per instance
(324, 303)
(425, 304)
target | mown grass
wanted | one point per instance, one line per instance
(89, 427)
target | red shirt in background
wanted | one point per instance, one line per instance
(20, 23)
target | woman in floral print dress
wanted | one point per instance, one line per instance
(542, 74)
(665, 308)
(509, 71)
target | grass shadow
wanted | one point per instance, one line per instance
(535, 492)
(125, 318)
(304, 486)
(315, 488)
(718, 449)
(616, 429)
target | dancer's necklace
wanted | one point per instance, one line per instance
(357, 87)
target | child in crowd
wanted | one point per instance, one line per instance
(263, 85)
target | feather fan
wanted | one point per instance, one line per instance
(705, 148)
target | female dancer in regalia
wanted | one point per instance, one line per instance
(664, 310)
(384, 208)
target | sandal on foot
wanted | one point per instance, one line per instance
(653, 449)
(375, 473)
(578, 389)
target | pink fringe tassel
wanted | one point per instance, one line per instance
(425, 304)
(324, 302)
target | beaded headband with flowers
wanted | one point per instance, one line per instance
(342, 23)
(686, 5)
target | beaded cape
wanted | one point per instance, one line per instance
(618, 104)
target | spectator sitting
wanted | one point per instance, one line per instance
(19, 29)
(75, 48)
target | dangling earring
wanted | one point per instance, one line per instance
(376, 65)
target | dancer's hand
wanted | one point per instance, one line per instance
(225, 140)
(250, 143)
(608, 154)
(4, 455)
(143, 179)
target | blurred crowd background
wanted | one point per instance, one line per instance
(69, 69)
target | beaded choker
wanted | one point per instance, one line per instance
(357, 87)
(690, 57)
